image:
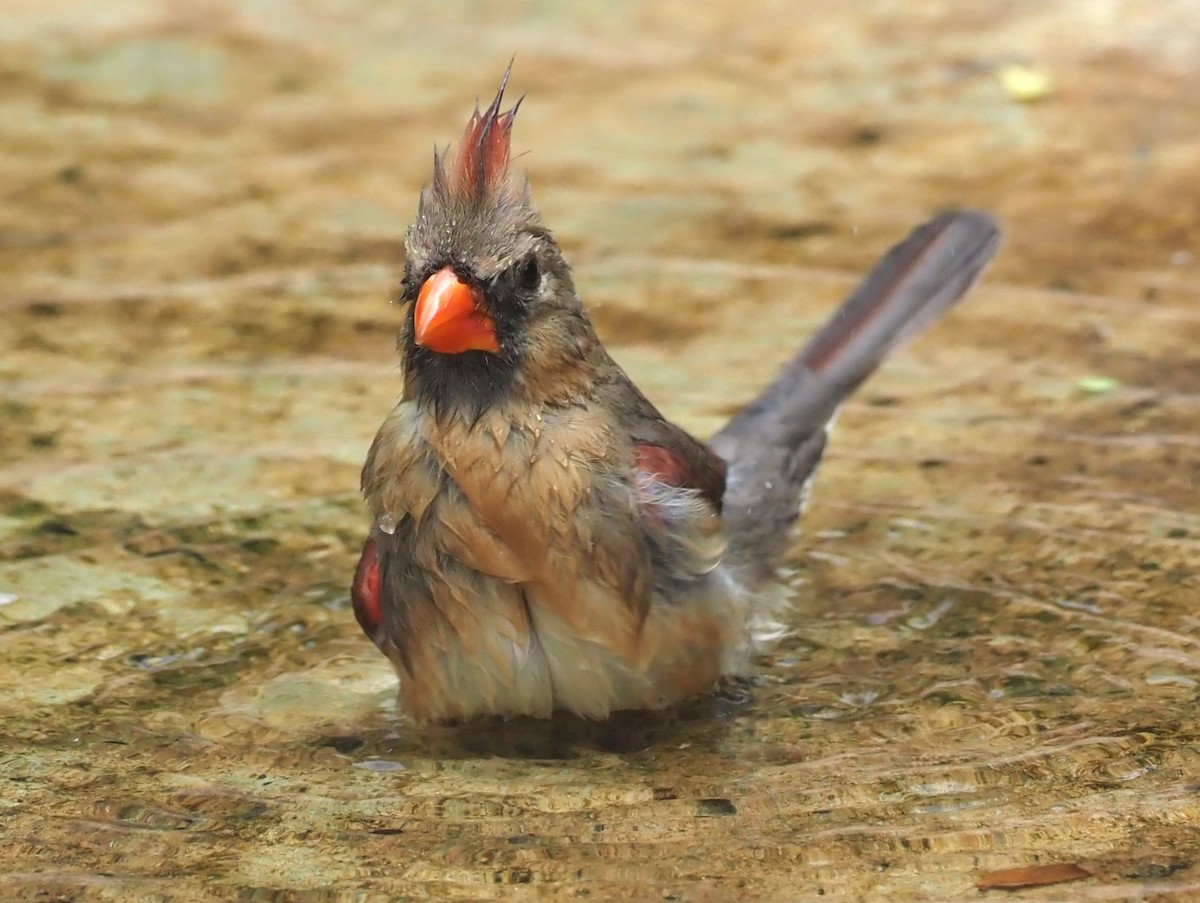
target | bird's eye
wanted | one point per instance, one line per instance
(529, 273)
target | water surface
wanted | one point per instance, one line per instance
(994, 647)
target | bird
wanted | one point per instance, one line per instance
(543, 539)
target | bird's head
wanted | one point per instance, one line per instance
(491, 310)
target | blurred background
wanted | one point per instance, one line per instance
(994, 653)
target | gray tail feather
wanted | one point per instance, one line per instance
(774, 444)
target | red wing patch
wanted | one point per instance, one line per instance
(673, 468)
(662, 463)
(365, 591)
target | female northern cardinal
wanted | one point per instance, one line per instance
(544, 539)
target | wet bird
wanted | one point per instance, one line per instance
(543, 538)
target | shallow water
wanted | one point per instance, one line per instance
(994, 654)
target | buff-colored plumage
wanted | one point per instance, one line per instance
(544, 538)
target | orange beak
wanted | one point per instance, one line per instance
(449, 318)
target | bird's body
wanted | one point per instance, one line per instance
(544, 539)
(523, 592)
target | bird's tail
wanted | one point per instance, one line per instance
(774, 444)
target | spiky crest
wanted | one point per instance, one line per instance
(479, 168)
